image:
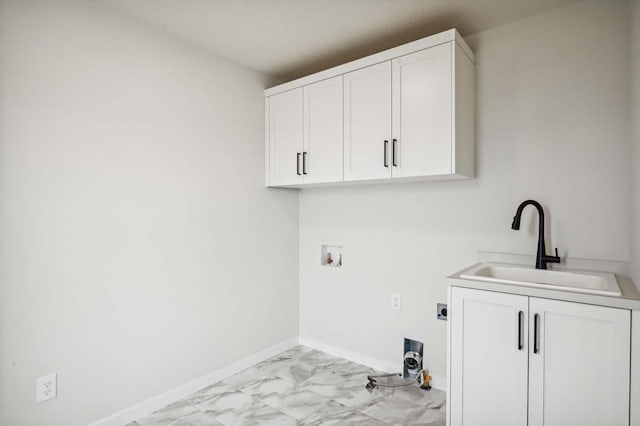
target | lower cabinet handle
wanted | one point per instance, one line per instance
(520, 316)
(386, 164)
(393, 153)
(298, 163)
(536, 320)
(304, 163)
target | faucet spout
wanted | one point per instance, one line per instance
(542, 258)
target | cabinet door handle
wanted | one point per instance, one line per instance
(393, 153)
(536, 320)
(304, 163)
(386, 164)
(520, 316)
(298, 163)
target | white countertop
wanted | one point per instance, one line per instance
(630, 298)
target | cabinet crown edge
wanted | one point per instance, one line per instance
(404, 49)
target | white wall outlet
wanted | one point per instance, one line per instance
(46, 387)
(395, 302)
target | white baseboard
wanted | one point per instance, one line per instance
(150, 405)
(437, 382)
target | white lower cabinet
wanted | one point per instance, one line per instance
(519, 360)
(579, 367)
(488, 358)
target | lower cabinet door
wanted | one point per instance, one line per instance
(488, 356)
(579, 362)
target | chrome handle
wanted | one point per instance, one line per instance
(520, 316)
(393, 153)
(304, 163)
(386, 143)
(298, 163)
(536, 319)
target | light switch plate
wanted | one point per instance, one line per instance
(395, 302)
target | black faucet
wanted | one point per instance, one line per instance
(541, 257)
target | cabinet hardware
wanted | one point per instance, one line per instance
(304, 163)
(386, 143)
(520, 316)
(536, 319)
(298, 163)
(393, 153)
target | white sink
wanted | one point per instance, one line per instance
(578, 281)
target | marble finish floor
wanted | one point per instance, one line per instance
(302, 386)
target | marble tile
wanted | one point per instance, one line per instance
(262, 414)
(266, 387)
(322, 360)
(326, 384)
(254, 413)
(435, 416)
(291, 369)
(295, 352)
(245, 376)
(208, 393)
(303, 386)
(358, 397)
(229, 407)
(349, 368)
(348, 390)
(398, 410)
(295, 400)
(168, 414)
(414, 394)
(288, 355)
(337, 414)
(197, 419)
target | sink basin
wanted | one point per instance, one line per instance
(578, 281)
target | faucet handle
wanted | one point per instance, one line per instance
(557, 252)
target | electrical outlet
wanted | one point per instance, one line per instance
(46, 387)
(442, 311)
(395, 302)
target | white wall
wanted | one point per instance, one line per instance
(552, 125)
(634, 255)
(139, 249)
(635, 142)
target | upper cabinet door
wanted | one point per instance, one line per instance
(285, 124)
(579, 360)
(367, 123)
(323, 131)
(488, 358)
(422, 112)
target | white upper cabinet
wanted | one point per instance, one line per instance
(422, 119)
(284, 131)
(404, 114)
(323, 126)
(367, 123)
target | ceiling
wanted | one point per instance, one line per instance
(291, 38)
